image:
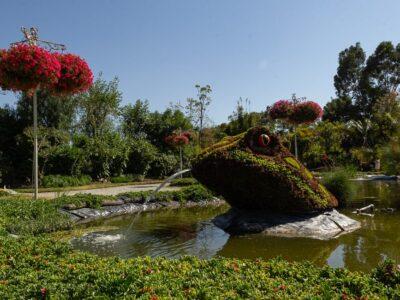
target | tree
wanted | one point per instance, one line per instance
(340, 110)
(54, 111)
(162, 124)
(197, 108)
(241, 120)
(359, 83)
(380, 76)
(98, 106)
(349, 71)
(135, 119)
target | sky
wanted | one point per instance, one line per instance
(159, 50)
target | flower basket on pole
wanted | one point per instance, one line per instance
(27, 67)
(296, 112)
(179, 140)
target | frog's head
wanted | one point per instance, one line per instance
(254, 171)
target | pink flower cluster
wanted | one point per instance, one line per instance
(76, 75)
(25, 67)
(300, 113)
(281, 109)
(306, 112)
(178, 139)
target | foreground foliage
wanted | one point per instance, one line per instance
(39, 267)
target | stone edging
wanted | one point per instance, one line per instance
(85, 215)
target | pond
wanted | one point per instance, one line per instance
(189, 231)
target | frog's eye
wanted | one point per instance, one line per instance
(263, 140)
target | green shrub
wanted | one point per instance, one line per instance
(195, 193)
(388, 273)
(82, 200)
(339, 184)
(141, 155)
(39, 267)
(126, 178)
(390, 158)
(184, 181)
(52, 181)
(163, 165)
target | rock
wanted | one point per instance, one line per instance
(112, 202)
(321, 226)
(72, 206)
(89, 213)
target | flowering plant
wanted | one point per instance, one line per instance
(281, 109)
(24, 67)
(76, 75)
(296, 113)
(305, 113)
(177, 140)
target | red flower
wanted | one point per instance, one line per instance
(24, 67)
(177, 140)
(306, 112)
(76, 75)
(188, 134)
(281, 109)
(43, 292)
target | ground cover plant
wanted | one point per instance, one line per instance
(35, 263)
(183, 181)
(39, 267)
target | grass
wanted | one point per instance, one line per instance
(339, 184)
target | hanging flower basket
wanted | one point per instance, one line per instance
(177, 140)
(305, 113)
(281, 109)
(76, 75)
(24, 67)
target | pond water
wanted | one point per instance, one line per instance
(173, 233)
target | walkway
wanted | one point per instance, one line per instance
(110, 191)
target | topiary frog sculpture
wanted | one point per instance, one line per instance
(254, 171)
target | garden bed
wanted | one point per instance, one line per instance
(35, 263)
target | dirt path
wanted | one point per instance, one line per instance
(110, 191)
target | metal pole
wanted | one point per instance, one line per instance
(295, 146)
(181, 161)
(35, 147)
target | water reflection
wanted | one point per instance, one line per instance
(175, 233)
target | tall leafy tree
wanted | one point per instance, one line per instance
(98, 106)
(380, 76)
(349, 71)
(360, 82)
(54, 111)
(135, 119)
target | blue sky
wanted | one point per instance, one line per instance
(261, 50)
